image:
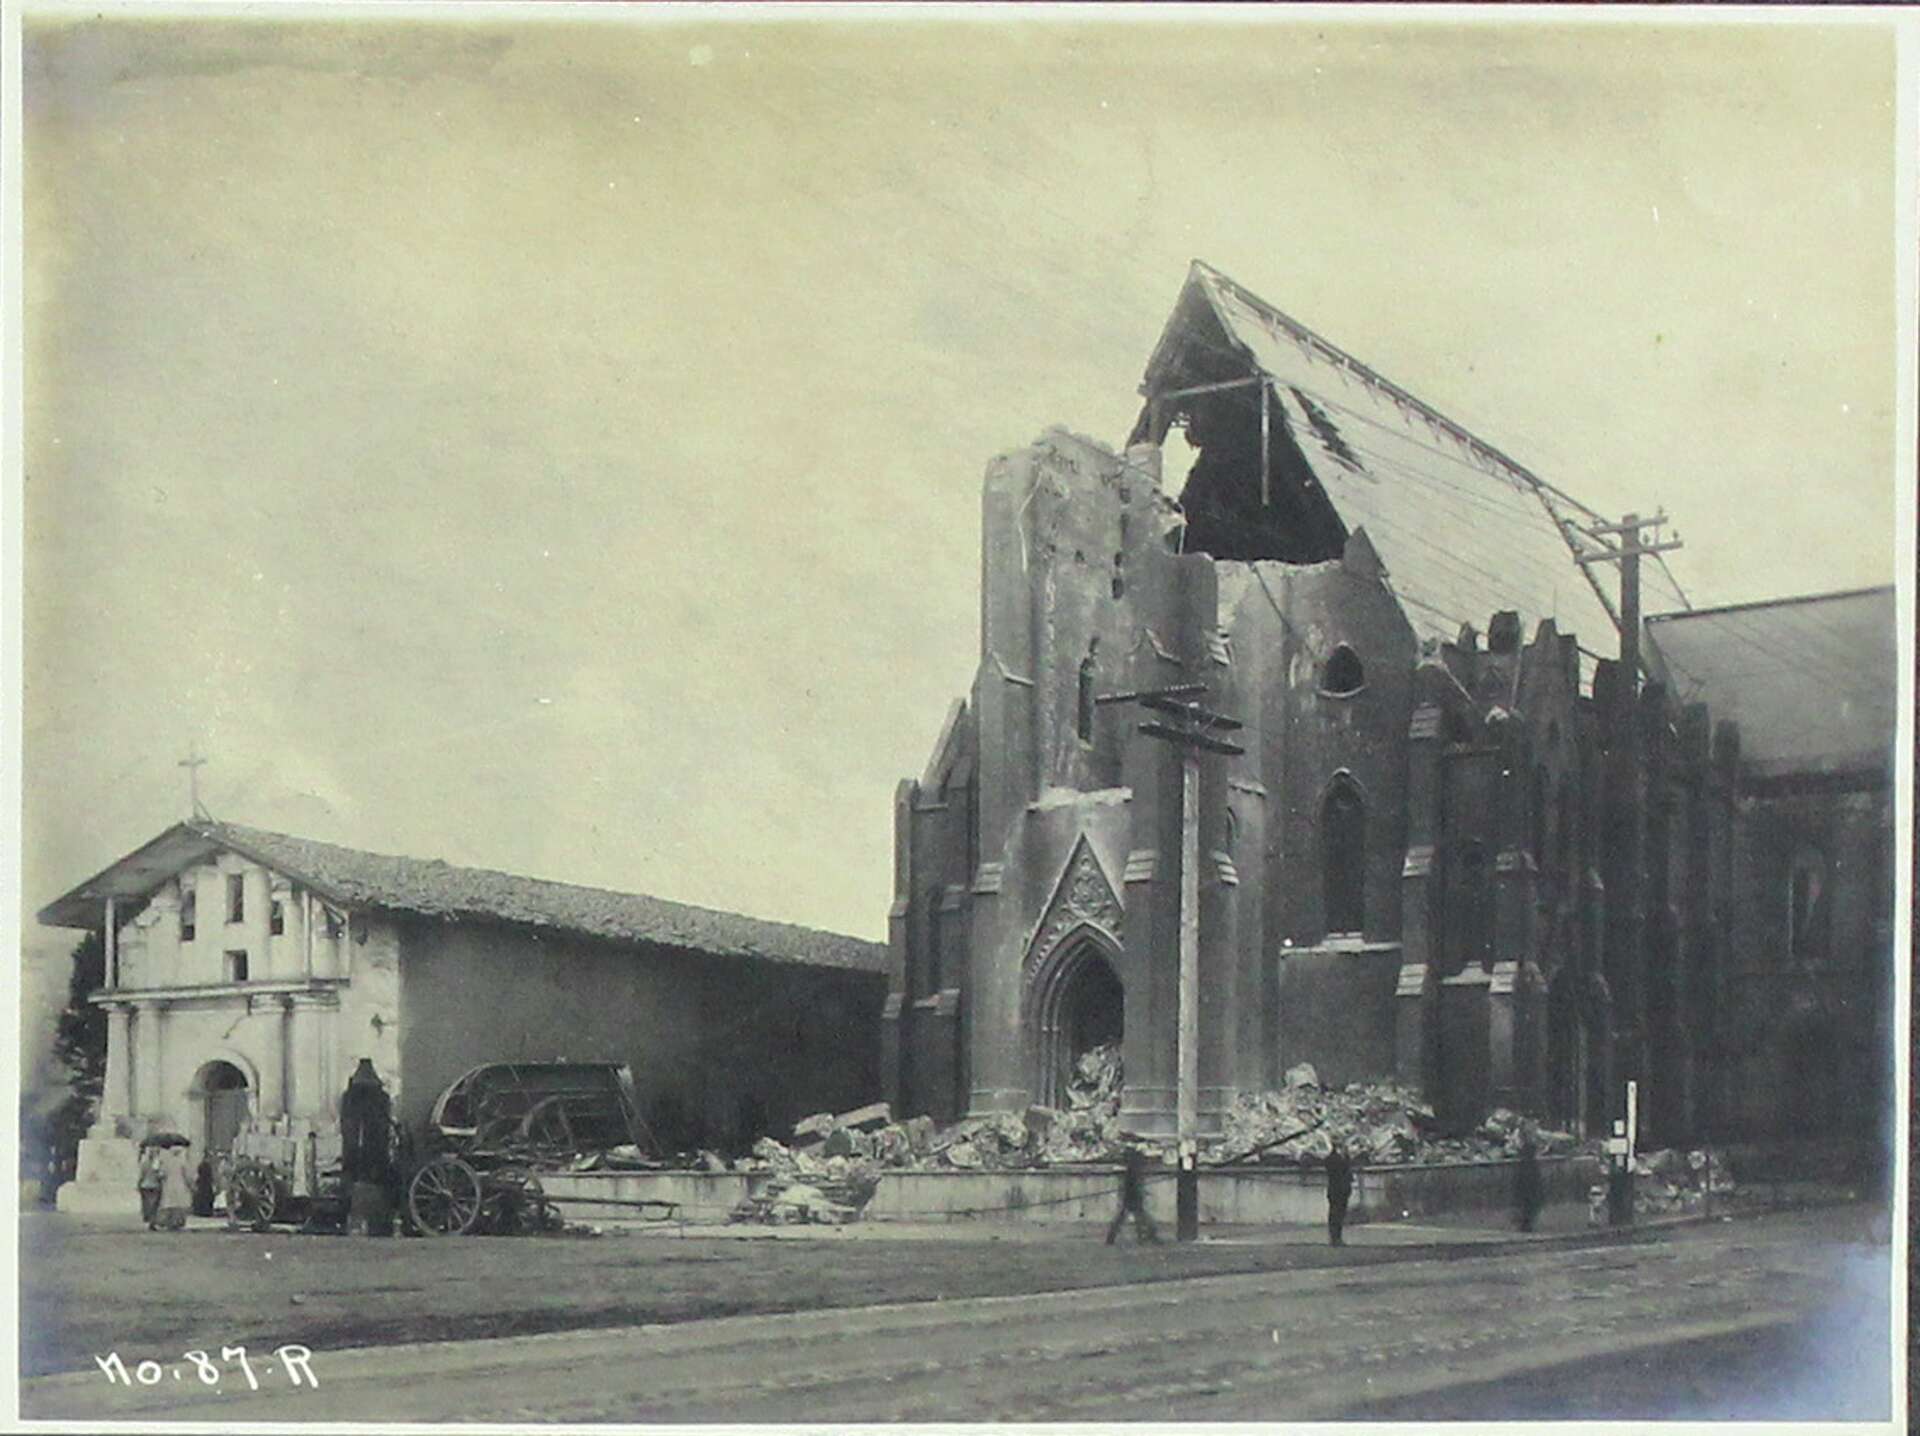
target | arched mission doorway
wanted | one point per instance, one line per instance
(224, 1099)
(1078, 1005)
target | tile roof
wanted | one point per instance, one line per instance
(1813, 682)
(1463, 530)
(432, 888)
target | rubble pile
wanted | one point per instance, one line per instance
(806, 1185)
(1671, 1181)
(1380, 1123)
(840, 1158)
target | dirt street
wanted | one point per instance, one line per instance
(1275, 1343)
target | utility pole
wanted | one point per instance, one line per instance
(1194, 729)
(1626, 550)
(1623, 543)
(193, 762)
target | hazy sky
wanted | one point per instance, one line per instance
(556, 445)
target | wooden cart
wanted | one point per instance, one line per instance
(494, 1130)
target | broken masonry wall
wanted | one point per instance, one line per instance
(936, 828)
(1072, 537)
(1326, 999)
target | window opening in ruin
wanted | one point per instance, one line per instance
(1473, 907)
(933, 940)
(277, 918)
(1084, 708)
(236, 898)
(236, 964)
(332, 923)
(187, 915)
(1343, 842)
(1807, 906)
(1344, 673)
(1537, 816)
(1563, 833)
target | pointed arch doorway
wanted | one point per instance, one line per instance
(1079, 1004)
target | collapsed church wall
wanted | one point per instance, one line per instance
(1406, 874)
(1039, 855)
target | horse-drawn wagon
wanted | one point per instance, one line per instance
(476, 1165)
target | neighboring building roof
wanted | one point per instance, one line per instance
(433, 888)
(1813, 682)
(1462, 529)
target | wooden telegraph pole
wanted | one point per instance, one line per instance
(1622, 543)
(1195, 730)
(1626, 550)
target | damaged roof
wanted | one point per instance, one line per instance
(432, 888)
(1463, 530)
(1813, 682)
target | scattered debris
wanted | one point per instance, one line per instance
(1671, 1181)
(1382, 1123)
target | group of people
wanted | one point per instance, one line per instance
(166, 1183)
(1529, 1192)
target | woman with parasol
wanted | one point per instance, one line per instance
(176, 1181)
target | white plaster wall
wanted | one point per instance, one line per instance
(152, 953)
(222, 1030)
(368, 1023)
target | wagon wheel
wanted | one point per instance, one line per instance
(516, 1205)
(252, 1196)
(444, 1197)
(547, 1128)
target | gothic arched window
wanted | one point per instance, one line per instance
(1343, 851)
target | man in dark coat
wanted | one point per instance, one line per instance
(1133, 1199)
(1339, 1190)
(1527, 1185)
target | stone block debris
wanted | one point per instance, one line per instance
(1382, 1124)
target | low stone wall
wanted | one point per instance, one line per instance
(1253, 1195)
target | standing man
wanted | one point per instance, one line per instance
(149, 1183)
(1527, 1185)
(1133, 1199)
(1339, 1190)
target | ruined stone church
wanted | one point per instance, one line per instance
(1507, 820)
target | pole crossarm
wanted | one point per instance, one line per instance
(1614, 555)
(1191, 739)
(1140, 695)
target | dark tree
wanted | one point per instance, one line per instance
(80, 1042)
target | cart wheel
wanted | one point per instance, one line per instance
(251, 1197)
(515, 1205)
(547, 1127)
(444, 1197)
